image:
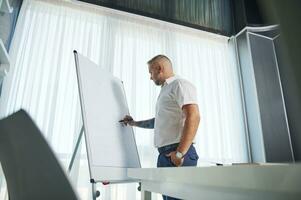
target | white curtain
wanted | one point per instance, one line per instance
(42, 80)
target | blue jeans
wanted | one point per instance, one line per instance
(190, 159)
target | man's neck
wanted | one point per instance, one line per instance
(169, 76)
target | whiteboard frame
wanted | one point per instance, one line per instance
(113, 174)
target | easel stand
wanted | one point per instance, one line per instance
(95, 193)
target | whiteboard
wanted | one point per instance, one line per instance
(111, 146)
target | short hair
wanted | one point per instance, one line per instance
(157, 58)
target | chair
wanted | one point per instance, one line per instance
(29, 165)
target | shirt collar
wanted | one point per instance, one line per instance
(171, 79)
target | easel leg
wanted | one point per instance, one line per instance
(95, 192)
(76, 148)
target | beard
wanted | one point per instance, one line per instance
(157, 82)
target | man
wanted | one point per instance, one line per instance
(177, 116)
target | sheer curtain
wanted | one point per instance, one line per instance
(42, 80)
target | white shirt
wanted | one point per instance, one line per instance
(169, 118)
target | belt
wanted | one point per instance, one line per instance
(168, 147)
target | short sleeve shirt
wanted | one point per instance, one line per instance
(175, 93)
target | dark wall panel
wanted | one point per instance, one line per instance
(246, 13)
(272, 109)
(288, 15)
(292, 96)
(209, 15)
(267, 122)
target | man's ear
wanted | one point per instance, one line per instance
(160, 68)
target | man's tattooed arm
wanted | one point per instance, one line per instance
(150, 123)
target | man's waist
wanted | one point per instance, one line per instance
(168, 147)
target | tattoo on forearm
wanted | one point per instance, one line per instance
(146, 123)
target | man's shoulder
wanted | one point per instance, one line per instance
(183, 82)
